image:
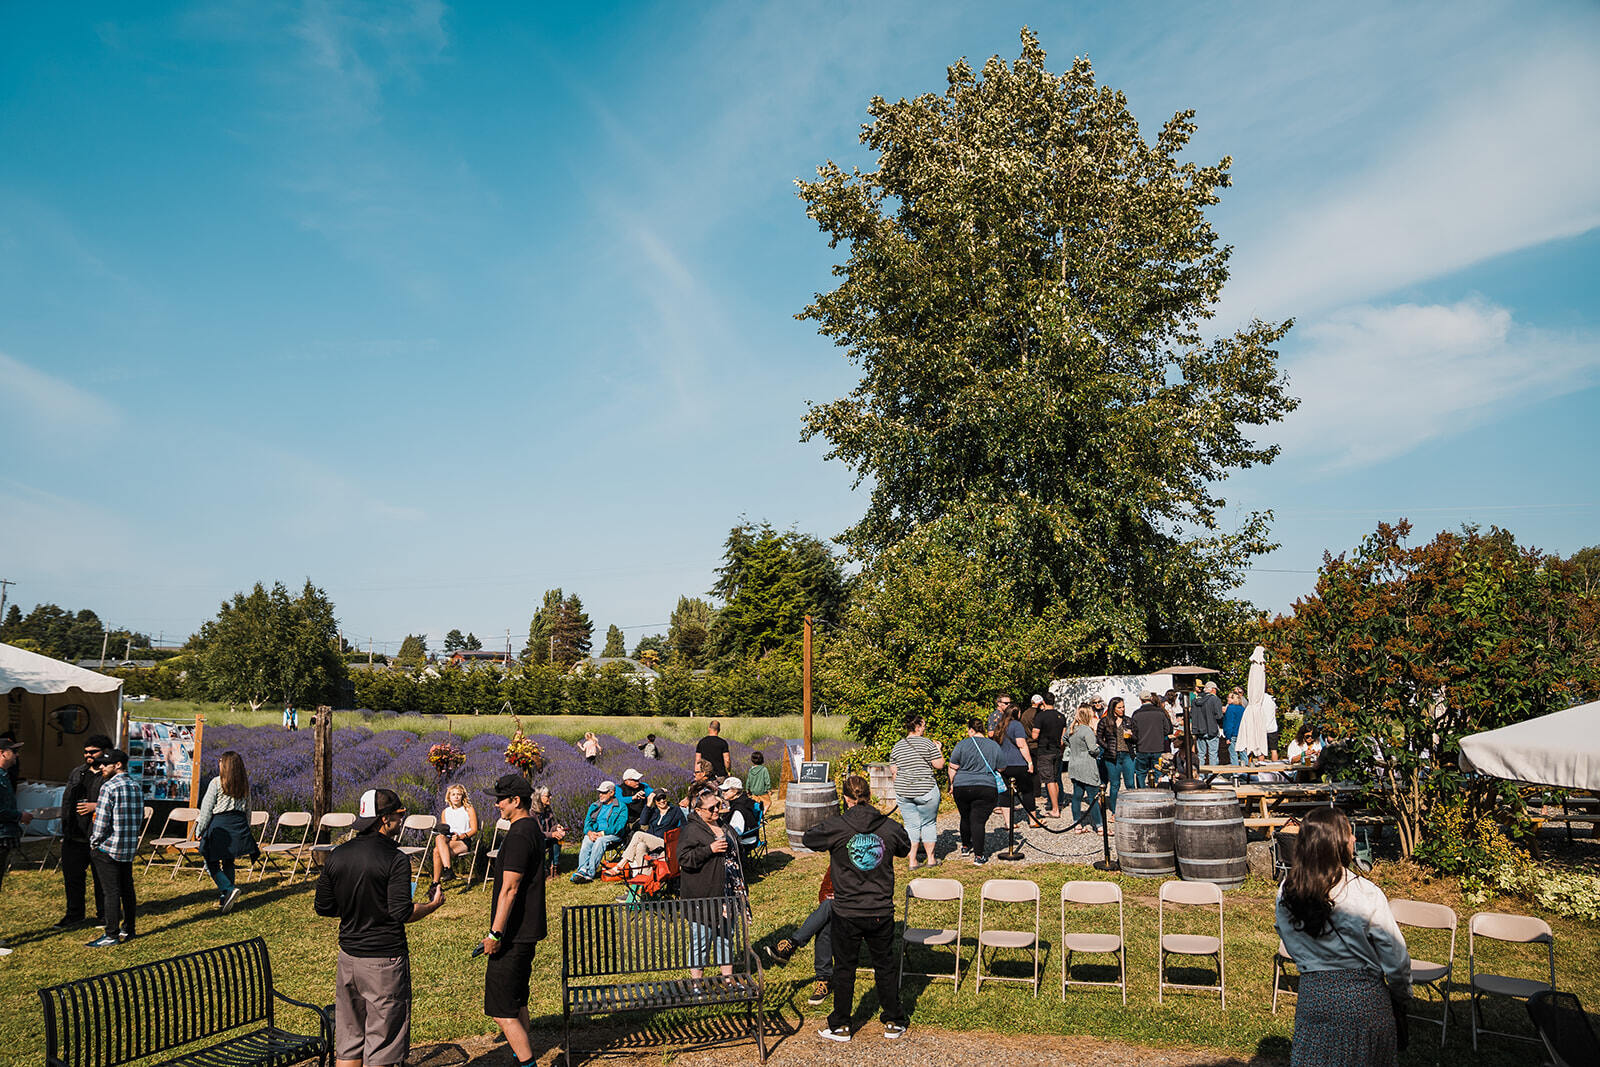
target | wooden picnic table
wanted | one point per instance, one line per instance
(1271, 794)
(1233, 770)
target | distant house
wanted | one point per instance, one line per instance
(596, 664)
(479, 655)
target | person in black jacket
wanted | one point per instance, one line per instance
(77, 819)
(862, 844)
(708, 859)
(1152, 732)
(366, 885)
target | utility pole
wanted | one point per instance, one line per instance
(805, 686)
(3, 583)
(369, 650)
(104, 641)
(127, 653)
(508, 648)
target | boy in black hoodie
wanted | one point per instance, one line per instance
(862, 845)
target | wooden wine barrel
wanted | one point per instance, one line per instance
(806, 804)
(1210, 838)
(1144, 832)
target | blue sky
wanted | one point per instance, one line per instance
(442, 306)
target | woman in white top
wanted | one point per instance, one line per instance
(1355, 970)
(458, 825)
(223, 826)
(591, 746)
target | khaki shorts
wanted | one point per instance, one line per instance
(372, 1010)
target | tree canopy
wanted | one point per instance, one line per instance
(616, 644)
(413, 651)
(52, 630)
(268, 645)
(1416, 646)
(689, 633)
(1025, 291)
(768, 583)
(560, 632)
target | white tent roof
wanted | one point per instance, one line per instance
(21, 669)
(1560, 749)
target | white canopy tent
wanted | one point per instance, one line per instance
(1560, 749)
(46, 701)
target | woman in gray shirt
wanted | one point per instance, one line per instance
(973, 765)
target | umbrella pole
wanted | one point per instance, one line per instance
(1189, 783)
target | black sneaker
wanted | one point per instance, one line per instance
(447, 875)
(67, 922)
(780, 952)
(980, 860)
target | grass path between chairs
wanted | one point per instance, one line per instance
(178, 916)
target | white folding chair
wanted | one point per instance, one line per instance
(1007, 891)
(1092, 894)
(1515, 929)
(933, 890)
(500, 828)
(418, 829)
(1280, 961)
(1436, 976)
(178, 829)
(331, 823)
(1189, 894)
(49, 841)
(144, 829)
(276, 846)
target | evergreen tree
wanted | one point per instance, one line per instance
(540, 629)
(656, 643)
(615, 645)
(413, 651)
(453, 641)
(768, 583)
(689, 633)
(571, 634)
(472, 644)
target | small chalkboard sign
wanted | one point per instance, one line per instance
(814, 772)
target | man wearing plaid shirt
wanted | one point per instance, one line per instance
(112, 843)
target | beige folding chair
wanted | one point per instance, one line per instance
(933, 890)
(185, 849)
(1092, 894)
(1007, 891)
(144, 829)
(1516, 929)
(277, 846)
(1436, 976)
(500, 828)
(49, 841)
(179, 819)
(1189, 894)
(331, 823)
(1280, 961)
(418, 829)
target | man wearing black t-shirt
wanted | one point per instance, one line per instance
(366, 884)
(1048, 726)
(714, 750)
(516, 916)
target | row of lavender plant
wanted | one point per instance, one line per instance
(279, 763)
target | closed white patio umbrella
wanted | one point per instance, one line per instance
(1253, 727)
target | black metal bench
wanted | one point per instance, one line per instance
(600, 942)
(221, 993)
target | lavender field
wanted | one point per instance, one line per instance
(381, 754)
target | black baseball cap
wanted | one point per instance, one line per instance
(512, 785)
(111, 756)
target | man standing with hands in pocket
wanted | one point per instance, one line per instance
(516, 916)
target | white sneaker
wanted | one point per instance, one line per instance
(5, 951)
(834, 1035)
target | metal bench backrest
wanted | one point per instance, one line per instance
(607, 939)
(126, 1015)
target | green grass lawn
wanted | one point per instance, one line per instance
(179, 916)
(566, 727)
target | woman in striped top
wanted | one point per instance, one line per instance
(913, 760)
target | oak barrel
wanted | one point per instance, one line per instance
(806, 804)
(1211, 838)
(1144, 832)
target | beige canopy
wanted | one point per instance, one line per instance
(52, 706)
(1560, 749)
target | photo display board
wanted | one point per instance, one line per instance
(161, 758)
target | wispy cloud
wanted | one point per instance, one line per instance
(43, 403)
(1376, 382)
(1508, 167)
(353, 49)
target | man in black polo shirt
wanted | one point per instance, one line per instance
(77, 819)
(366, 885)
(516, 916)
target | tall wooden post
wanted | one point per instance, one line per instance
(805, 686)
(321, 764)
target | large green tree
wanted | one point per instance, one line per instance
(539, 630)
(689, 632)
(413, 651)
(1412, 647)
(70, 635)
(1025, 292)
(616, 644)
(768, 583)
(271, 645)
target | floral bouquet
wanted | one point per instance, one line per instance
(446, 758)
(524, 754)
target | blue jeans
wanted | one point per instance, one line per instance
(592, 851)
(701, 940)
(1144, 765)
(1122, 771)
(919, 815)
(1239, 757)
(1084, 795)
(1208, 750)
(818, 925)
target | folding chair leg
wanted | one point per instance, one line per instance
(1277, 970)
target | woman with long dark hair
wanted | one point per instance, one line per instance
(223, 826)
(1355, 972)
(1117, 748)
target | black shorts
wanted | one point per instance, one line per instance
(505, 985)
(1047, 764)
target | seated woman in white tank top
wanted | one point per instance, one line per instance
(452, 839)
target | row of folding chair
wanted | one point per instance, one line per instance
(1490, 925)
(1078, 896)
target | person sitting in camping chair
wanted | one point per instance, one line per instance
(663, 815)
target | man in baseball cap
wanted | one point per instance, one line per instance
(366, 884)
(516, 915)
(603, 824)
(635, 793)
